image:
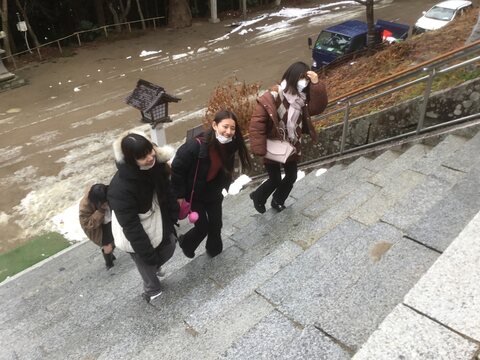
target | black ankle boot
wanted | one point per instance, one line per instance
(108, 259)
(257, 204)
(188, 253)
(277, 206)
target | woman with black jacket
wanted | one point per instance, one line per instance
(139, 189)
(214, 153)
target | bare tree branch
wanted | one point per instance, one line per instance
(23, 10)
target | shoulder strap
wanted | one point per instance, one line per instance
(196, 172)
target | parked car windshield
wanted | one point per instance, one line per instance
(332, 42)
(440, 13)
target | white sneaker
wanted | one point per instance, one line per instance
(149, 298)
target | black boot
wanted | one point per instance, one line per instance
(257, 204)
(108, 259)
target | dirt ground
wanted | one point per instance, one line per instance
(56, 131)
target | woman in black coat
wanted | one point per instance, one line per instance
(140, 187)
(214, 153)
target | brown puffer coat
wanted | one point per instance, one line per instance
(91, 220)
(264, 121)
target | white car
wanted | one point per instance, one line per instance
(440, 15)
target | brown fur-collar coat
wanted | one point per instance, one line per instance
(91, 219)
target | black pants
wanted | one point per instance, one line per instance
(107, 236)
(275, 184)
(209, 224)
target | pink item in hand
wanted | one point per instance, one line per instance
(193, 217)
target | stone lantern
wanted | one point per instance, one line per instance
(5, 75)
(152, 101)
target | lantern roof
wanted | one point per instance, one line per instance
(146, 95)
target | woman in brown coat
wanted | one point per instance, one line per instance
(95, 220)
(284, 112)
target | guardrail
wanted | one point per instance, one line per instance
(77, 34)
(424, 73)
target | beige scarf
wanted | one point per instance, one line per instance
(296, 102)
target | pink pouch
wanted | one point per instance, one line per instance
(184, 210)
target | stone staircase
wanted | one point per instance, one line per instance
(312, 282)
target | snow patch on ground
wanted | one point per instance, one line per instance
(45, 138)
(105, 115)
(4, 218)
(9, 153)
(320, 171)
(148, 53)
(19, 176)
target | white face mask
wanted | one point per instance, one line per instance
(302, 84)
(147, 167)
(222, 139)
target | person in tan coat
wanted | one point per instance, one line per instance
(284, 112)
(95, 220)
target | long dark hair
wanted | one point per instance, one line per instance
(238, 141)
(134, 147)
(293, 74)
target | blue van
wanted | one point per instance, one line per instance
(350, 36)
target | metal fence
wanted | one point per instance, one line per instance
(77, 37)
(424, 73)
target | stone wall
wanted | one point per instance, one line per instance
(443, 106)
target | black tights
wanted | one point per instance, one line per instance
(275, 184)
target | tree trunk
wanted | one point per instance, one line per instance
(243, 6)
(122, 10)
(125, 9)
(116, 19)
(99, 12)
(23, 10)
(369, 4)
(370, 24)
(179, 14)
(140, 13)
(4, 15)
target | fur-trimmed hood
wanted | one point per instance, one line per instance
(163, 153)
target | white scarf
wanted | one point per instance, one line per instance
(297, 102)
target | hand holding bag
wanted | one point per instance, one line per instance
(185, 208)
(279, 150)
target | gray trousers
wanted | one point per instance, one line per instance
(151, 284)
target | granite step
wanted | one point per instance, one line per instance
(349, 280)
(465, 157)
(242, 286)
(403, 162)
(440, 154)
(277, 337)
(424, 197)
(439, 316)
(442, 223)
